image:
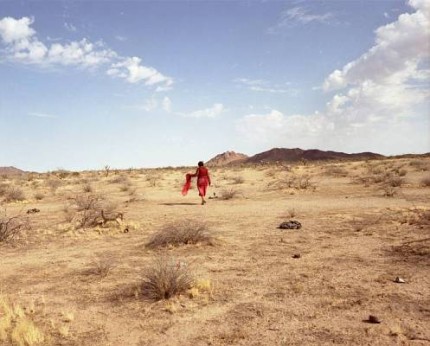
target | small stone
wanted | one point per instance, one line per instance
(373, 319)
(399, 280)
(292, 224)
(297, 255)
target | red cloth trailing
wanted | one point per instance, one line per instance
(187, 184)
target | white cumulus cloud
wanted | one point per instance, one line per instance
(23, 46)
(210, 112)
(381, 99)
(400, 49)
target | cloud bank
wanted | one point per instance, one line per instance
(21, 45)
(380, 100)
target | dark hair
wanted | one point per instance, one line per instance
(201, 163)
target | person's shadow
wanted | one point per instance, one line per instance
(179, 203)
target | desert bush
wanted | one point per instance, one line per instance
(420, 165)
(121, 179)
(101, 266)
(425, 181)
(336, 171)
(166, 278)
(16, 328)
(11, 227)
(394, 181)
(227, 194)
(14, 194)
(85, 210)
(61, 173)
(87, 188)
(153, 179)
(181, 232)
(107, 170)
(238, 180)
(294, 181)
(39, 196)
(125, 187)
(53, 184)
(389, 191)
(402, 172)
(91, 210)
(4, 187)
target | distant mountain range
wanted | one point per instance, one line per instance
(10, 171)
(287, 155)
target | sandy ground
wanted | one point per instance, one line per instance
(353, 243)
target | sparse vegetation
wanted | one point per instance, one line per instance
(80, 259)
(53, 184)
(425, 181)
(389, 191)
(121, 179)
(336, 171)
(90, 210)
(181, 233)
(294, 181)
(16, 327)
(102, 266)
(165, 278)
(238, 180)
(11, 227)
(87, 188)
(14, 194)
(227, 194)
(39, 196)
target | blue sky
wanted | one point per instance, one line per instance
(84, 84)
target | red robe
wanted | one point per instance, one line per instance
(203, 180)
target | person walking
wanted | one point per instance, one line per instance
(203, 181)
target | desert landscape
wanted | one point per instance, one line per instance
(119, 257)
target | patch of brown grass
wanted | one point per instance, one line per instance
(16, 328)
(101, 266)
(227, 194)
(11, 227)
(336, 171)
(425, 181)
(165, 278)
(14, 194)
(181, 233)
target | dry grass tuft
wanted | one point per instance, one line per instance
(425, 181)
(11, 227)
(90, 210)
(227, 194)
(39, 196)
(121, 179)
(417, 251)
(14, 194)
(87, 188)
(389, 191)
(166, 278)
(16, 328)
(294, 181)
(238, 180)
(180, 233)
(101, 266)
(53, 184)
(336, 171)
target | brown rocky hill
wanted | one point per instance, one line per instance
(10, 171)
(291, 155)
(227, 158)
